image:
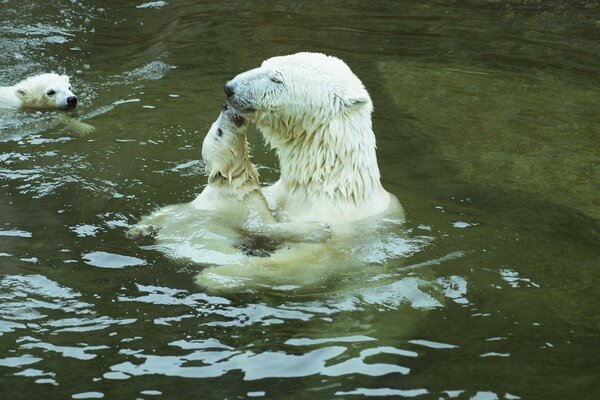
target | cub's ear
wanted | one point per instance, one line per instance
(216, 177)
(213, 173)
(65, 77)
(217, 172)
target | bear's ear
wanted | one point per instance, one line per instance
(349, 102)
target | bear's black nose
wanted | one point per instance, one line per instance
(228, 88)
(72, 101)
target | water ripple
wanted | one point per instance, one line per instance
(34, 303)
(268, 364)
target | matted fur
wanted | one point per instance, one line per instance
(316, 113)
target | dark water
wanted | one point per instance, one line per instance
(487, 121)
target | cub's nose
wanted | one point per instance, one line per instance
(228, 88)
(72, 101)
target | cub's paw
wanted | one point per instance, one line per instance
(80, 128)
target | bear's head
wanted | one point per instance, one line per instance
(46, 91)
(225, 148)
(299, 92)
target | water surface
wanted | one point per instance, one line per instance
(487, 127)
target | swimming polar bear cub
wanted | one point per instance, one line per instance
(230, 218)
(316, 113)
(42, 92)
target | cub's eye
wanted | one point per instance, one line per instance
(70, 88)
(276, 79)
(224, 108)
(219, 132)
(51, 92)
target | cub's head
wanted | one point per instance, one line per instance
(46, 91)
(297, 89)
(225, 148)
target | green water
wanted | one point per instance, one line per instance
(486, 116)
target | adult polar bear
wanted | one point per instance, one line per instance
(316, 113)
(44, 91)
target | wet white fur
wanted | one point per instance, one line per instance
(33, 93)
(316, 113)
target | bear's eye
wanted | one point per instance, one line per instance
(51, 92)
(70, 88)
(219, 132)
(276, 79)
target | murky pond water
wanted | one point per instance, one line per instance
(486, 116)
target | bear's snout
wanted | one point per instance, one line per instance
(228, 88)
(72, 101)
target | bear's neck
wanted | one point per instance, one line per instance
(336, 160)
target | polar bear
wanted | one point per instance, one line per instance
(40, 92)
(230, 216)
(316, 113)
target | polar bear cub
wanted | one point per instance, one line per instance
(43, 92)
(316, 113)
(231, 205)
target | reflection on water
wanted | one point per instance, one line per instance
(263, 365)
(486, 125)
(45, 313)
